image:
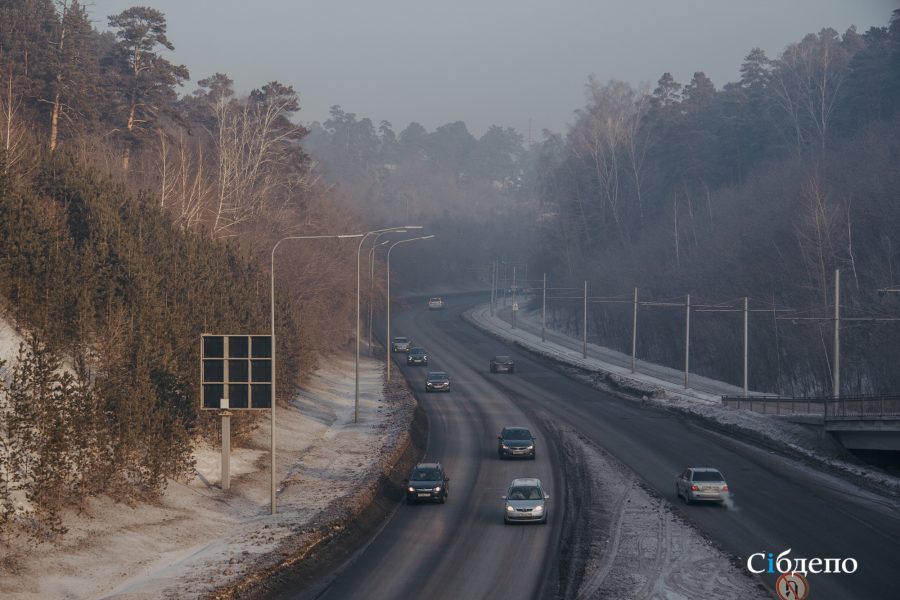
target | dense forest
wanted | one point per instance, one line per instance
(137, 212)
(760, 189)
(134, 216)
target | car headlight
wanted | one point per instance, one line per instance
(529, 447)
(538, 509)
(504, 446)
(411, 489)
(509, 508)
(437, 488)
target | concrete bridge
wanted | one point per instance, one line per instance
(858, 422)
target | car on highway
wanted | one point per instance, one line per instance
(400, 344)
(503, 364)
(417, 356)
(701, 484)
(435, 303)
(515, 442)
(525, 500)
(437, 381)
(427, 482)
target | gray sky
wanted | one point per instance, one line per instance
(504, 62)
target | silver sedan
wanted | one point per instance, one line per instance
(525, 501)
(701, 484)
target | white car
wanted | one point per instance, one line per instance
(701, 484)
(435, 303)
(526, 500)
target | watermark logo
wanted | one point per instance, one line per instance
(766, 562)
(792, 586)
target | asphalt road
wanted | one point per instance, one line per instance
(463, 550)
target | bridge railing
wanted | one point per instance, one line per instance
(868, 407)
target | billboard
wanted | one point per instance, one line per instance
(235, 372)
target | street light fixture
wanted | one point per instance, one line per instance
(358, 324)
(387, 339)
(272, 302)
(375, 245)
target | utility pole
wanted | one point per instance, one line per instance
(544, 312)
(746, 348)
(584, 324)
(634, 332)
(687, 338)
(836, 368)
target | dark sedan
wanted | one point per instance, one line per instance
(417, 356)
(503, 364)
(515, 442)
(428, 481)
(437, 381)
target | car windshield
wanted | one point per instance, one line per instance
(426, 475)
(437, 375)
(501, 359)
(516, 434)
(531, 492)
(417, 351)
(708, 476)
(401, 340)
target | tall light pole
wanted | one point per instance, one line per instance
(372, 280)
(387, 339)
(358, 325)
(272, 316)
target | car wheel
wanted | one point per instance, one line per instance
(409, 501)
(544, 520)
(442, 499)
(512, 370)
(533, 455)
(677, 492)
(505, 521)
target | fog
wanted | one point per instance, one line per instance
(516, 63)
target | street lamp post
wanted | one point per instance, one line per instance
(387, 339)
(372, 280)
(272, 316)
(358, 324)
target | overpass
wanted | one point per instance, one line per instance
(858, 422)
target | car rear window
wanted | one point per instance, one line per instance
(708, 476)
(501, 359)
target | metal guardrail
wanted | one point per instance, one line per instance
(870, 407)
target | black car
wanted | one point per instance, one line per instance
(400, 344)
(515, 442)
(428, 481)
(417, 356)
(437, 381)
(503, 364)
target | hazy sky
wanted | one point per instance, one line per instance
(504, 62)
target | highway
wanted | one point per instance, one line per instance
(463, 550)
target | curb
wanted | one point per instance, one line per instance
(343, 527)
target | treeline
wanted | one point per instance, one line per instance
(474, 193)
(132, 220)
(761, 189)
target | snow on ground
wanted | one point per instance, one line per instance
(9, 347)
(805, 440)
(646, 550)
(199, 538)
